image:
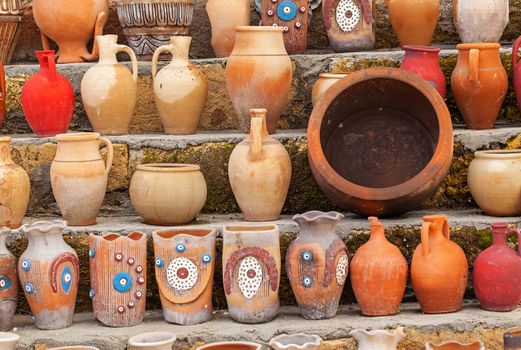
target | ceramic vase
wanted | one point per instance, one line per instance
(8, 340)
(423, 61)
(50, 89)
(297, 341)
(231, 345)
(292, 15)
(479, 84)
(180, 88)
(109, 89)
(480, 21)
(79, 176)
(71, 24)
(10, 24)
(8, 284)
(49, 273)
(185, 263)
(455, 345)
(414, 22)
(168, 194)
(259, 170)
(324, 82)
(516, 71)
(377, 339)
(259, 49)
(317, 264)
(152, 341)
(512, 339)
(439, 268)
(251, 272)
(378, 274)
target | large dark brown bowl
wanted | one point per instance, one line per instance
(380, 141)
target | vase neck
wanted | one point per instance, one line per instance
(315, 223)
(47, 64)
(439, 226)
(108, 48)
(500, 233)
(180, 48)
(5, 151)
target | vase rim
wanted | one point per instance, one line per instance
(186, 232)
(332, 75)
(44, 52)
(259, 29)
(422, 48)
(114, 236)
(315, 215)
(499, 224)
(246, 228)
(8, 337)
(168, 167)
(308, 339)
(480, 46)
(500, 153)
(514, 331)
(454, 342)
(75, 347)
(5, 138)
(43, 226)
(212, 345)
(145, 340)
(78, 136)
(391, 332)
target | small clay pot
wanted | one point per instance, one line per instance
(152, 341)
(455, 345)
(297, 341)
(231, 345)
(8, 340)
(324, 82)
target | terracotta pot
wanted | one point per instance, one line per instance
(317, 264)
(8, 340)
(385, 154)
(516, 72)
(512, 339)
(480, 21)
(259, 170)
(185, 263)
(224, 16)
(378, 274)
(231, 345)
(259, 49)
(324, 82)
(10, 24)
(55, 19)
(168, 194)
(377, 339)
(423, 61)
(180, 89)
(49, 273)
(8, 285)
(52, 90)
(479, 84)
(439, 268)
(454, 345)
(414, 21)
(152, 341)
(109, 89)
(297, 341)
(79, 176)
(251, 272)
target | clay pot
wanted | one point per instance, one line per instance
(180, 89)
(378, 274)
(251, 272)
(52, 90)
(10, 24)
(324, 82)
(79, 176)
(377, 339)
(260, 172)
(480, 21)
(479, 84)
(71, 24)
(439, 268)
(512, 339)
(259, 49)
(109, 89)
(317, 264)
(516, 73)
(414, 22)
(385, 154)
(152, 341)
(8, 285)
(423, 61)
(49, 273)
(297, 341)
(168, 194)
(224, 16)
(231, 345)
(454, 345)
(185, 263)
(8, 340)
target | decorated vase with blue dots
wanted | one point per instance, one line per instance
(118, 278)
(8, 283)
(185, 263)
(49, 274)
(317, 264)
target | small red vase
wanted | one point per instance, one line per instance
(497, 272)
(423, 61)
(48, 98)
(516, 71)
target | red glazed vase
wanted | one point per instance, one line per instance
(516, 71)
(497, 272)
(423, 61)
(48, 98)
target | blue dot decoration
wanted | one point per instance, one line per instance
(5, 283)
(307, 281)
(159, 262)
(122, 282)
(287, 10)
(92, 294)
(29, 289)
(206, 258)
(66, 279)
(307, 256)
(180, 248)
(26, 264)
(92, 253)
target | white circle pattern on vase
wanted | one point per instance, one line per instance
(341, 270)
(347, 15)
(182, 274)
(250, 276)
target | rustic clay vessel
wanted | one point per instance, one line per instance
(168, 194)
(118, 278)
(480, 21)
(180, 89)
(251, 272)
(185, 263)
(231, 345)
(294, 16)
(8, 284)
(259, 49)
(71, 24)
(49, 273)
(516, 70)
(439, 268)
(454, 345)
(317, 264)
(324, 82)
(386, 153)
(8, 340)
(414, 22)
(297, 341)
(378, 274)
(109, 89)
(152, 341)
(377, 339)
(423, 61)
(512, 339)
(10, 23)
(479, 84)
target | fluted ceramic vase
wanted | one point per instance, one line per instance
(377, 339)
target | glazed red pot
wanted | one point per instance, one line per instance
(516, 71)
(423, 61)
(48, 98)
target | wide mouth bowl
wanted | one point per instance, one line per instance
(480, 46)
(333, 75)
(6, 337)
(78, 136)
(295, 341)
(421, 48)
(189, 232)
(151, 339)
(258, 29)
(250, 228)
(231, 345)
(454, 345)
(168, 167)
(502, 154)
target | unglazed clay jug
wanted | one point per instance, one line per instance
(8, 340)
(455, 345)
(71, 24)
(516, 70)
(260, 172)
(423, 61)
(377, 339)
(512, 339)
(480, 21)
(259, 49)
(297, 341)
(439, 268)
(414, 22)
(152, 341)
(109, 89)
(317, 264)
(479, 84)
(8, 284)
(378, 274)
(79, 176)
(231, 345)
(180, 89)
(49, 274)
(324, 82)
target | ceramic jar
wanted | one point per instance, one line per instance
(479, 84)
(439, 268)
(377, 339)
(49, 273)
(378, 274)
(414, 22)
(480, 21)
(152, 341)
(10, 23)
(512, 339)
(251, 272)
(454, 345)
(109, 89)
(8, 284)
(8, 340)
(317, 264)
(180, 88)
(229, 345)
(118, 278)
(516, 72)
(324, 82)
(185, 263)
(168, 194)
(297, 341)
(79, 176)
(423, 61)
(294, 16)
(259, 49)
(259, 170)
(50, 89)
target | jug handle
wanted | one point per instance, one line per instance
(132, 55)
(110, 153)
(446, 229)
(518, 233)
(515, 50)
(474, 65)
(51, 66)
(155, 58)
(46, 45)
(101, 20)
(425, 238)
(256, 136)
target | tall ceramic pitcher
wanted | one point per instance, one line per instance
(377, 339)
(8, 284)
